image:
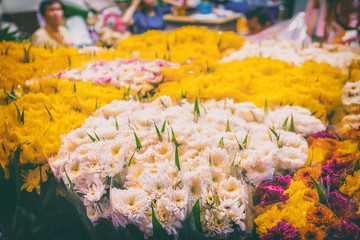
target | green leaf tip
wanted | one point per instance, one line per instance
(319, 190)
(177, 161)
(138, 143)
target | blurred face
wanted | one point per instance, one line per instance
(254, 26)
(54, 14)
(150, 3)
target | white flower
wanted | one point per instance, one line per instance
(216, 224)
(231, 188)
(130, 203)
(165, 211)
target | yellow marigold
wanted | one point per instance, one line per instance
(312, 193)
(33, 179)
(268, 220)
(320, 216)
(352, 184)
(304, 174)
(310, 231)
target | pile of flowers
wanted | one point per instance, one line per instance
(125, 162)
(35, 120)
(135, 73)
(315, 86)
(320, 201)
(338, 56)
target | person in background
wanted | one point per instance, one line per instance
(53, 34)
(149, 16)
(258, 19)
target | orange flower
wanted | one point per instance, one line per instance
(312, 232)
(312, 193)
(320, 216)
(304, 174)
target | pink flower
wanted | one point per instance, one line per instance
(282, 231)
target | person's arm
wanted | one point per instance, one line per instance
(127, 17)
(174, 3)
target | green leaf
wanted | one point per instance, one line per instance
(357, 165)
(221, 142)
(319, 190)
(266, 106)
(292, 125)
(177, 161)
(11, 95)
(22, 117)
(158, 231)
(74, 88)
(158, 133)
(254, 117)
(196, 108)
(91, 137)
(51, 119)
(239, 145)
(116, 124)
(70, 182)
(321, 116)
(196, 213)
(245, 140)
(273, 131)
(18, 111)
(163, 127)
(285, 123)
(183, 94)
(2, 173)
(313, 113)
(227, 126)
(173, 139)
(337, 135)
(291, 104)
(138, 143)
(97, 137)
(131, 159)
(210, 162)
(96, 105)
(69, 62)
(162, 103)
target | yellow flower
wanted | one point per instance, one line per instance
(352, 184)
(268, 220)
(33, 179)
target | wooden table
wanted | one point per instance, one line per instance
(227, 23)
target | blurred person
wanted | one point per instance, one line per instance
(53, 34)
(149, 16)
(258, 19)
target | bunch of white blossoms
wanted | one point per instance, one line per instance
(131, 158)
(339, 56)
(135, 73)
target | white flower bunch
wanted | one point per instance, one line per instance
(132, 158)
(337, 55)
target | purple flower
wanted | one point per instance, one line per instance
(282, 231)
(272, 191)
(324, 134)
(339, 203)
(332, 172)
(345, 231)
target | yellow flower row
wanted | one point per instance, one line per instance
(49, 109)
(315, 86)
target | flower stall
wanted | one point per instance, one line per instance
(189, 134)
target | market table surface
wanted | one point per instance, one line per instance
(226, 23)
